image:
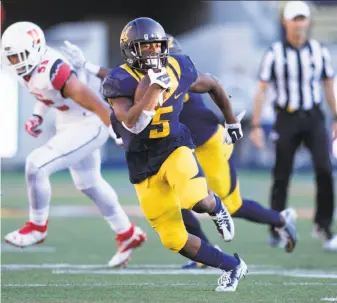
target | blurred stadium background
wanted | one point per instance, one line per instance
(225, 38)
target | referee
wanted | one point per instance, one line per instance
(295, 67)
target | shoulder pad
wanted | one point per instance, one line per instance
(119, 83)
(186, 65)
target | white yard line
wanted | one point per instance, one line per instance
(329, 299)
(170, 269)
(290, 273)
(158, 285)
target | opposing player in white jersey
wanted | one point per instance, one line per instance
(79, 135)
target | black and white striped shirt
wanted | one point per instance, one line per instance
(296, 73)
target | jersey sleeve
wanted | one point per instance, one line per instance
(119, 84)
(59, 74)
(327, 71)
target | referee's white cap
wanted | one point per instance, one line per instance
(296, 8)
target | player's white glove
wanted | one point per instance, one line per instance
(233, 132)
(76, 57)
(74, 54)
(161, 78)
(32, 125)
(113, 135)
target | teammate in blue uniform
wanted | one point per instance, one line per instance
(217, 162)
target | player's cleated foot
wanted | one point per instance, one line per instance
(28, 235)
(331, 244)
(224, 224)
(288, 233)
(127, 243)
(230, 279)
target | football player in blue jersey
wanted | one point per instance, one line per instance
(159, 149)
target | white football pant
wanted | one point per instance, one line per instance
(75, 147)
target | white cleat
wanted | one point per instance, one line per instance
(224, 224)
(230, 279)
(288, 233)
(331, 245)
(127, 243)
(28, 235)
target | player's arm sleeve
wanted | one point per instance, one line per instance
(40, 109)
(267, 66)
(59, 74)
(327, 69)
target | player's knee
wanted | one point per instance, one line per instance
(86, 180)
(32, 169)
(174, 241)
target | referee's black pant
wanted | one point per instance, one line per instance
(292, 129)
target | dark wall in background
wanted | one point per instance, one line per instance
(176, 16)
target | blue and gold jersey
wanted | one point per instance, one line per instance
(201, 121)
(146, 151)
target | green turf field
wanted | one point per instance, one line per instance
(70, 265)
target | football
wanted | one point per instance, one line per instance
(143, 85)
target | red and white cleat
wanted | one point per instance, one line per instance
(127, 243)
(28, 235)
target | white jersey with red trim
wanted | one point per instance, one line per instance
(46, 83)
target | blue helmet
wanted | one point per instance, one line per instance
(139, 31)
(173, 44)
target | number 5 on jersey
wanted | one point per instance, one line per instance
(155, 133)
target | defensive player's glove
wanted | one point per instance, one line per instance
(161, 78)
(113, 135)
(32, 125)
(74, 54)
(76, 57)
(233, 132)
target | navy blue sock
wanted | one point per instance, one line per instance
(218, 206)
(213, 257)
(192, 225)
(253, 211)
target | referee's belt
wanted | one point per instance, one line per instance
(291, 110)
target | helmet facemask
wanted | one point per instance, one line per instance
(19, 62)
(145, 60)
